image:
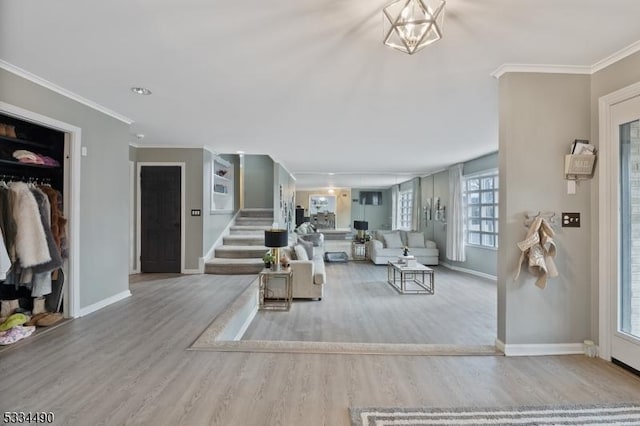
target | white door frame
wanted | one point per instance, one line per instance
(132, 219)
(183, 167)
(71, 197)
(607, 226)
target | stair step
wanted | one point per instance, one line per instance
(240, 252)
(249, 229)
(254, 221)
(262, 213)
(233, 266)
(244, 240)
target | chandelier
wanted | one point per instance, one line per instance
(410, 25)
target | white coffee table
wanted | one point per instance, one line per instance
(416, 279)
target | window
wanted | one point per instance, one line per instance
(481, 209)
(405, 208)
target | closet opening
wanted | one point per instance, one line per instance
(38, 223)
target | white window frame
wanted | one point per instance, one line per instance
(467, 225)
(405, 210)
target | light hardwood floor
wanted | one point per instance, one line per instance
(360, 307)
(127, 364)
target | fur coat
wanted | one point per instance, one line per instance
(45, 218)
(31, 242)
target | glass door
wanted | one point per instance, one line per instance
(626, 334)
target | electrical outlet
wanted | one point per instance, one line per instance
(196, 212)
(571, 220)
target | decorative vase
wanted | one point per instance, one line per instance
(267, 265)
(406, 252)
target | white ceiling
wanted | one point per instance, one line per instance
(308, 82)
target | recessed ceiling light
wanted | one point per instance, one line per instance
(331, 174)
(141, 91)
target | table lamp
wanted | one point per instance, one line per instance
(361, 226)
(275, 239)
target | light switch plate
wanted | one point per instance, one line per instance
(571, 220)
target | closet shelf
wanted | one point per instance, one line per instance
(222, 178)
(36, 166)
(25, 143)
(221, 193)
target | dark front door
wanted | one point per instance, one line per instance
(160, 219)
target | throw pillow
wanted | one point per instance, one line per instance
(308, 246)
(415, 239)
(392, 240)
(301, 253)
(302, 229)
(289, 252)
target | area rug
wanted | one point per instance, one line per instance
(608, 414)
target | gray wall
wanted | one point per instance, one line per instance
(104, 183)
(213, 223)
(621, 74)
(284, 212)
(379, 217)
(194, 184)
(427, 188)
(258, 181)
(540, 115)
(441, 190)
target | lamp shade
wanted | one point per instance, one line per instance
(361, 225)
(276, 238)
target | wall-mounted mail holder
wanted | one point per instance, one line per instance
(578, 167)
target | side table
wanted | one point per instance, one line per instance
(359, 250)
(275, 289)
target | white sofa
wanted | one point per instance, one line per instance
(424, 250)
(309, 275)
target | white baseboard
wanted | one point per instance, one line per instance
(104, 303)
(192, 271)
(246, 324)
(469, 271)
(540, 349)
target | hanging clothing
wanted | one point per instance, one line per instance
(7, 223)
(33, 249)
(58, 221)
(45, 218)
(31, 242)
(539, 249)
(5, 261)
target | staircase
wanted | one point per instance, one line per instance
(242, 250)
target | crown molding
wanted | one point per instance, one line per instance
(615, 57)
(64, 92)
(569, 69)
(541, 68)
(172, 147)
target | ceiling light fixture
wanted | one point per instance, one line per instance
(141, 91)
(410, 25)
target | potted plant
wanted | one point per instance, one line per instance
(268, 259)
